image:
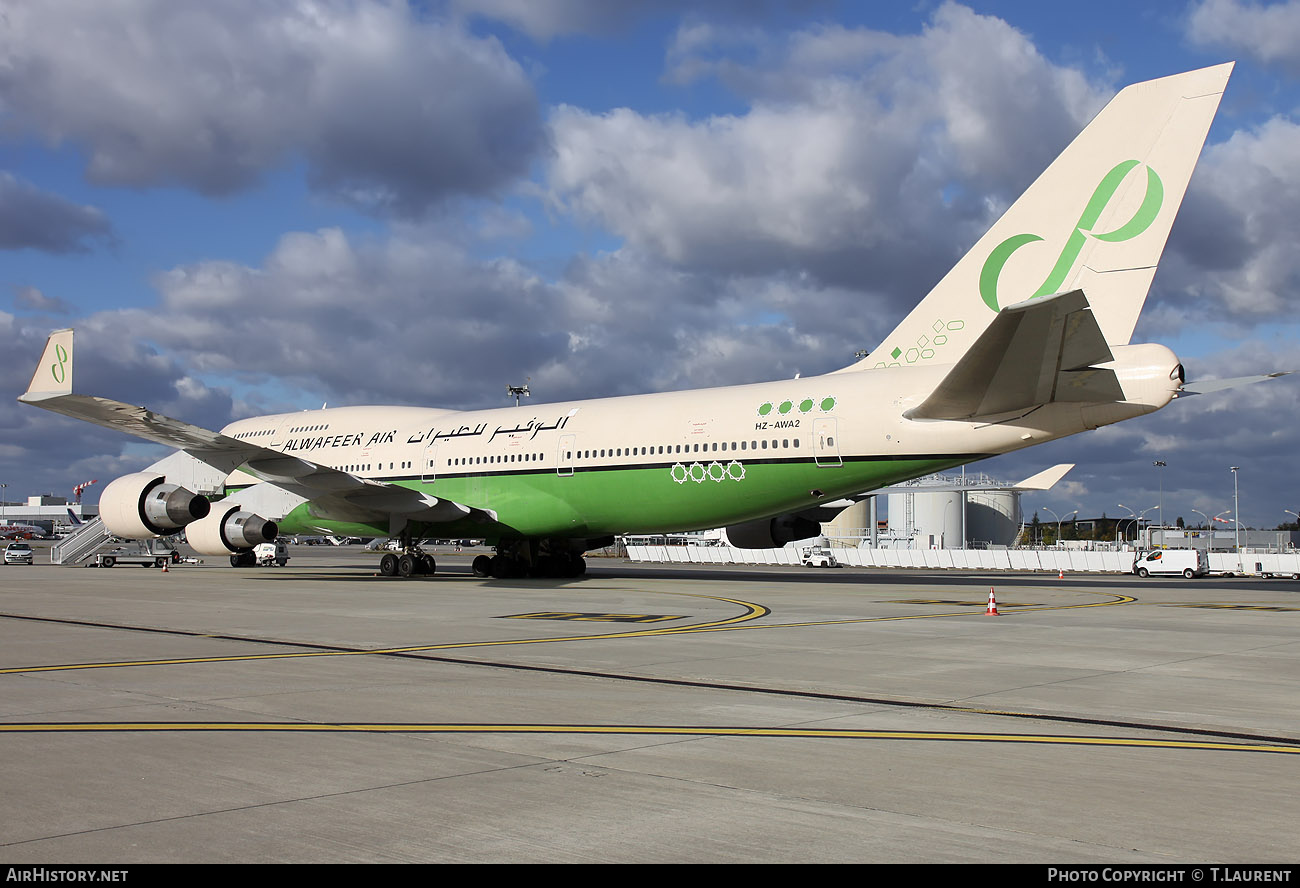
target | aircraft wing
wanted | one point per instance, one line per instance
(1035, 352)
(334, 493)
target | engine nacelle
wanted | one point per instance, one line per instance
(143, 505)
(772, 533)
(228, 530)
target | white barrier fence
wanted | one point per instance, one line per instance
(1070, 561)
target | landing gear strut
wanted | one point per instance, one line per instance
(412, 560)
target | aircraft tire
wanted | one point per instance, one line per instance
(388, 565)
(405, 565)
(482, 566)
(502, 567)
(426, 565)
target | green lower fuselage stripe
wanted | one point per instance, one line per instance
(593, 501)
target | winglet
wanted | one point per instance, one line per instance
(1046, 479)
(53, 375)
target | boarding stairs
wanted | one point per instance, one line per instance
(81, 544)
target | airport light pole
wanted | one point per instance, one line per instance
(1208, 529)
(1143, 517)
(1219, 517)
(1058, 524)
(1121, 523)
(519, 390)
(1236, 511)
(1058, 521)
(1160, 464)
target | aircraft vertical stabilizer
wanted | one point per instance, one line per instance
(1096, 220)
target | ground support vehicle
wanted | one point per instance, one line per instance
(1171, 562)
(818, 556)
(145, 556)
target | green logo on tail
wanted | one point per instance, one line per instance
(56, 369)
(1140, 222)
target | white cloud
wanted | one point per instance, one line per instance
(1268, 32)
(1232, 256)
(390, 109)
(866, 159)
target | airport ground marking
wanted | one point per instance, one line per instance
(1119, 599)
(750, 612)
(638, 730)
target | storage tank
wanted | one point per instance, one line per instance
(935, 519)
(993, 516)
(850, 524)
(931, 520)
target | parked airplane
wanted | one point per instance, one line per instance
(20, 531)
(1024, 341)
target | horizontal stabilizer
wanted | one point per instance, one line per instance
(1035, 352)
(1206, 386)
(1046, 479)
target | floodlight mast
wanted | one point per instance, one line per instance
(518, 391)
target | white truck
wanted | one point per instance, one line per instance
(1171, 562)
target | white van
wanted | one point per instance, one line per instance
(1171, 562)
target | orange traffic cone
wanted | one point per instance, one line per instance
(993, 605)
(164, 567)
(1060, 573)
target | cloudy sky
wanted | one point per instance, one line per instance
(250, 206)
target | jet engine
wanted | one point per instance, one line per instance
(772, 533)
(143, 506)
(228, 530)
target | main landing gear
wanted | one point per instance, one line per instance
(412, 561)
(529, 559)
